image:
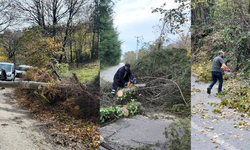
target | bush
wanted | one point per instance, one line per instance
(203, 72)
(167, 74)
(179, 136)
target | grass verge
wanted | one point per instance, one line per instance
(86, 73)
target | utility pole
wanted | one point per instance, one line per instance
(137, 47)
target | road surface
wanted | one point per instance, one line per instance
(216, 131)
(108, 74)
(17, 130)
(137, 130)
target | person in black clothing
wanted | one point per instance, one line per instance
(122, 77)
(3, 76)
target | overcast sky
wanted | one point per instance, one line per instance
(134, 18)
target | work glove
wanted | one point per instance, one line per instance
(132, 81)
(125, 83)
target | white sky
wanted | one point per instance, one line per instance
(134, 18)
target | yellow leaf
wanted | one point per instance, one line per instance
(77, 107)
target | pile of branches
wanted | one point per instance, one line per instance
(81, 102)
(166, 74)
(106, 98)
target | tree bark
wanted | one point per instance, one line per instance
(29, 85)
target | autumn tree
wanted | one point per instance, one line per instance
(175, 21)
(73, 7)
(226, 24)
(10, 42)
(38, 50)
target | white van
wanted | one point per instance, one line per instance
(21, 70)
(10, 70)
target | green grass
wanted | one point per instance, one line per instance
(106, 68)
(86, 73)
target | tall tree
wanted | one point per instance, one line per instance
(73, 7)
(110, 45)
(43, 13)
(9, 42)
(7, 13)
(95, 28)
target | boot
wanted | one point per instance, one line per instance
(113, 92)
(208, 90)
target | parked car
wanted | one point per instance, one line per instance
(21, 70)
(10, 70)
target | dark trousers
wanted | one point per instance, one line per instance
(118, 84)
(3, 80)
(217, 75)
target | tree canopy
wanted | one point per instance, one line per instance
(222, 25)
(110, 45)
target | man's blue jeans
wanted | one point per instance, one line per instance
(217, 75)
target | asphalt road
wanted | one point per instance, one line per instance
(108, 74)
(215, 131)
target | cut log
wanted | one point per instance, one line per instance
(28, 84)
(126, 112)
(121, 92)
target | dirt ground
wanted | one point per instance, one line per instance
(17, 130)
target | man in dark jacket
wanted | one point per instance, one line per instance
(216, 72)
(3, 76)
(122, 77)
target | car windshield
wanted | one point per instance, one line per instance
(7, 67)
(21, 68)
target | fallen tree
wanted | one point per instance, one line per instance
(166, 75)
(30, 85)
(70, 93)
(108, 114)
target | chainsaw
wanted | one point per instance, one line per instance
(225, 71)
(129, 84)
